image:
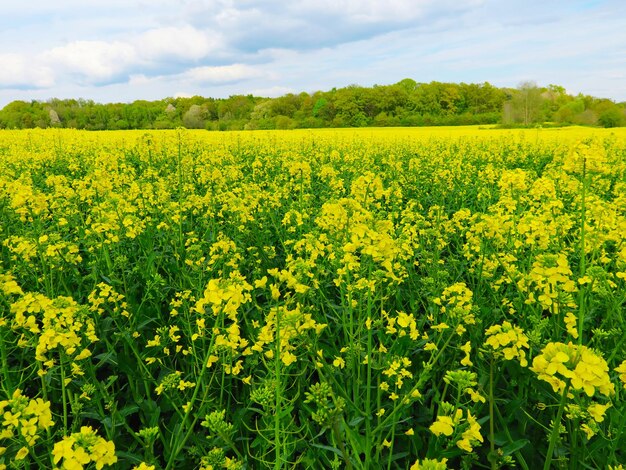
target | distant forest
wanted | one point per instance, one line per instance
(406, 103)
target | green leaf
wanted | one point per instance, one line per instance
(329, 448)
(514, 446)
(151, 412)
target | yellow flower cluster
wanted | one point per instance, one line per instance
(466, 428)
(397, 371)
(144, 466)
(552, 277)
(224, 296)
(430, 464)
(290, 328)
(173, 381)
(587, 157)
(105, 294)
(590, 416)
(56, 253)
(22, 421)
(58, 324)
(402, 324)
(456, 303)
(84, 447)
(571, 324)
(510, 339)
(9, 286)
(561, 364)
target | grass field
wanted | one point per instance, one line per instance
(421, 298)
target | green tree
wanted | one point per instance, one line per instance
(195, 117)
(612, 117)
(526, 103)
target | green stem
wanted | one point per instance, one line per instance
(555, 429)
(63, 394)
(277, 395)
(492, 439)
(581, 291)
(393, 437)
(177, 445)
(368, 400)
(340, 443)
(5, 368)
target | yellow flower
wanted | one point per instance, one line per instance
(143, 466)
(597, 411)
(590, 432)
(22, 453)
(288, 358)
(63, 449)
(571, 323)
(443, 425)
(467, 348)
(471, 436)
(339, 362)
(430, 464)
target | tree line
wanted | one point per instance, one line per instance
(406, 103)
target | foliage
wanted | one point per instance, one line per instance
(406, 103)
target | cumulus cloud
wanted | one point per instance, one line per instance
(273, 92)
(221, 74)
(305, 24)
(375, 11)
(94, 61)
(212, 41)
(221, 47)
(18, 72)
(139, 57)
(178, 43)
(204, 75)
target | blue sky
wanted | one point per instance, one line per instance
(122, 50)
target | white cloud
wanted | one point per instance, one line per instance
(19, 72)
(222, 73)
(374, 11)
(184, 42)
(154, 48)
(95, 61)
(273, 92)
(139, 79)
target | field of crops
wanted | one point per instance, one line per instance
(354, 299)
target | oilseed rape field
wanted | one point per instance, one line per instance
(333, 299)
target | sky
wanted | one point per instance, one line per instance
(124, 50)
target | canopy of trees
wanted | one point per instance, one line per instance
(406, 103)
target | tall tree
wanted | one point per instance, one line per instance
(527, 103)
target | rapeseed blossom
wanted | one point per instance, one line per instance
(212, 277)
(509, 339)
(561, 364)
(81, 448)
(24, 418)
